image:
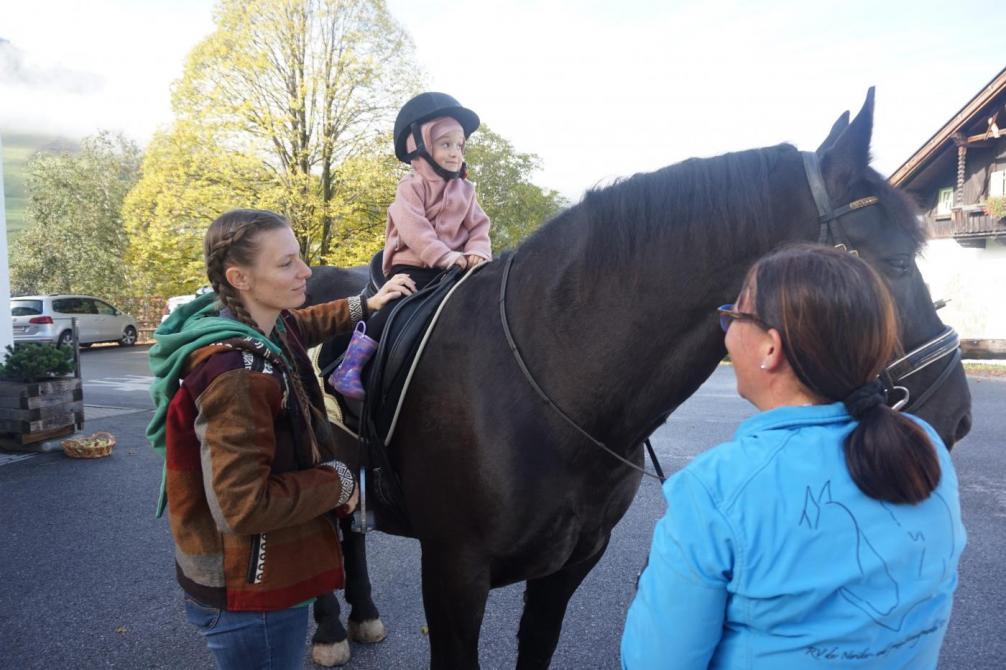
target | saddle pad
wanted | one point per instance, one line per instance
(405, 336)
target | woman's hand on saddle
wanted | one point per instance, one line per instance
(461, 261)
(474, 260)
(398, 286)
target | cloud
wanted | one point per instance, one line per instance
(17, 69)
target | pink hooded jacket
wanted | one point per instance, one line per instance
(432, 221)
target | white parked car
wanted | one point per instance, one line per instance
(48, 318)
(176, 301)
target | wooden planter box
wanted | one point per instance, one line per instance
(40, 411)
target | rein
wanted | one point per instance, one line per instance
(946, 343)
(548, 401)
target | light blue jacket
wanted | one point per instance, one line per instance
(769, 556)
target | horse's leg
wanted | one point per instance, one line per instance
(455, 588)
(329, 646)
(545, 601)
(364, 623)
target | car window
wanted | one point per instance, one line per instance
(25, 307)
(104, 308)
(66, 305)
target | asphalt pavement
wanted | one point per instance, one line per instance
(88, 572)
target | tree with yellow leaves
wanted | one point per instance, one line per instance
(306, 85)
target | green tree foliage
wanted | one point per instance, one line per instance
(505, 190)
(305, 85)
(188, 180)
(75, 240)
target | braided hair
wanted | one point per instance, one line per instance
(231, 240)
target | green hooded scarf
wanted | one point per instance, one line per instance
(193, 325)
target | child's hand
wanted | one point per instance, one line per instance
(398, 286)
(474, 260)
(461, 262)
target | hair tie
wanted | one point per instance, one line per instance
(865, 398)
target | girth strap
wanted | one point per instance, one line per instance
(544, 396)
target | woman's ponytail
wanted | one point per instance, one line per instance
(891, 458)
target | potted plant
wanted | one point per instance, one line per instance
(996, 207)
(39, 400)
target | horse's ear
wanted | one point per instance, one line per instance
(849, 155)
(841, 124)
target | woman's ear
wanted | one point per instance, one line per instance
(237, 278)
(772, 355)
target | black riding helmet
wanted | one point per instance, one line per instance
(421, 109)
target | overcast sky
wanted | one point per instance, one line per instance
(596, 89)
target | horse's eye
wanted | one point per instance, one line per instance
(899, 264)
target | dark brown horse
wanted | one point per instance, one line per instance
(612, 305)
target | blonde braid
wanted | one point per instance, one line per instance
(302, 399)
(217, 253)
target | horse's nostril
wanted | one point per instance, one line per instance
(963, 428)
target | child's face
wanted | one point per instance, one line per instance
(449, 150)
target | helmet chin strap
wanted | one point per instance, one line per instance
(421, 152)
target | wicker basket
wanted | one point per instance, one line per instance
(95, 446)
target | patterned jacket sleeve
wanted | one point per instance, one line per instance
(235, 426)
(320, 322)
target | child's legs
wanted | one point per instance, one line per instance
(422, 277)
(241, 640)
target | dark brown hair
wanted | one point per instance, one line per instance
(839, 329)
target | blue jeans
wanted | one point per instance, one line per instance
(250, 640)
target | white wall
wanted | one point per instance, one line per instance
(975, 282)
(6, 326)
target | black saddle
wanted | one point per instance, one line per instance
(387, 374)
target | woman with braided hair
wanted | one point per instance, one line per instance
(251, 478)
(827, 532)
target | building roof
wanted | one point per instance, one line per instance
(967, 115)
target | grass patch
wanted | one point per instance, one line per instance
(17, 151)
(985, 370)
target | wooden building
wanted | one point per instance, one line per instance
(961, 170)
(958, 178)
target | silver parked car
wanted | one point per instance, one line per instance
(47, 318)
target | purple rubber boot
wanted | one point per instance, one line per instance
(346, 378)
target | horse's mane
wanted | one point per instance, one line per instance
(900, 208)
(721, 204)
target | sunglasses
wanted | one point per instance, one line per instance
(728, 315)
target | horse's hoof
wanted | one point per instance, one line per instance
(331, 655)
(369, 631)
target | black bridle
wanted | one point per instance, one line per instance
(946, 345)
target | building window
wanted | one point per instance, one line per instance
(997, 184)
(945, 202)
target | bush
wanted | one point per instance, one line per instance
(36, 362)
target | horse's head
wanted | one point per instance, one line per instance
(883, 228)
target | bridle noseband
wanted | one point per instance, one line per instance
(946, 344)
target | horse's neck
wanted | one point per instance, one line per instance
(620, 339)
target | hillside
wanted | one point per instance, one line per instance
(17, 150)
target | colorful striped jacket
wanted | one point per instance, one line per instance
(249, 509)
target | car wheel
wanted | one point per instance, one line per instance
(65, 339)
(128, 337)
